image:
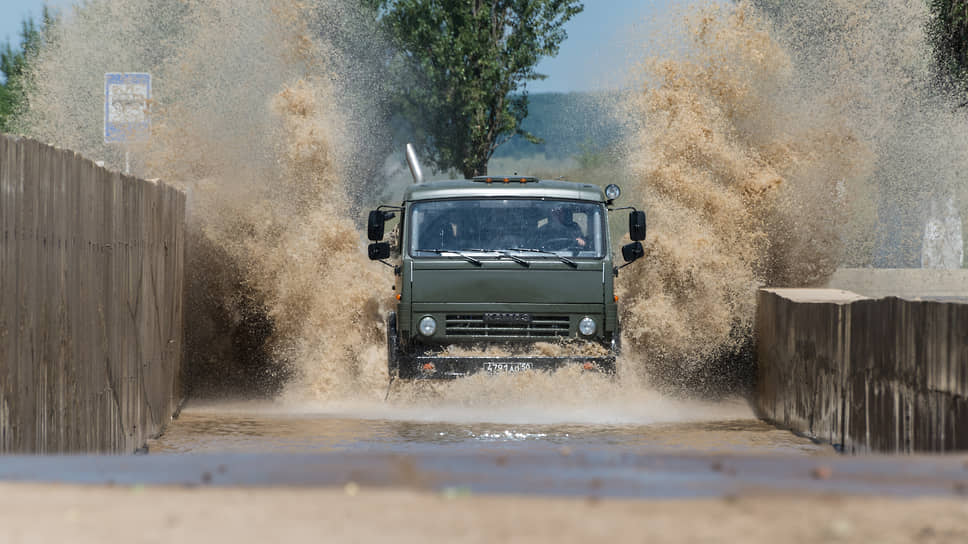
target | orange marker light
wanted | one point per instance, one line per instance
(588, 366)
(507, 180)
(428, 367)
(398, 296)
(616, 297)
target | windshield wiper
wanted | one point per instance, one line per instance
(468, 258)
(565, 260)
(514, 258)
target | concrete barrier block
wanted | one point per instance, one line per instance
(888, 374)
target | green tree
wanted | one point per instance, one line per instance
(467, 64)
(948, 30)
(14, 63)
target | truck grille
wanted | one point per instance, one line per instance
(540, 326)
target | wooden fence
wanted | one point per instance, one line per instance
(91, 276)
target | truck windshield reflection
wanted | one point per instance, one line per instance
(559, 227)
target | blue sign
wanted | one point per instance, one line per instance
(127, 97)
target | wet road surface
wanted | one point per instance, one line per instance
(692, 454)
(264, 428)
(540, 469)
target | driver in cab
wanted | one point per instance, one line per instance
(562, 227)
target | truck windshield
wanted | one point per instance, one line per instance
(560, 227)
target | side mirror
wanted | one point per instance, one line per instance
(375, 225)
(379, 251)
(633, 252)
(636, 226)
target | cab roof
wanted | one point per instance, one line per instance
(498, 188)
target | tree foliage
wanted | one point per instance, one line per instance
(14, 63)
(948, 30)
(467, 64)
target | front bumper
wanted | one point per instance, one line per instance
(450, 367)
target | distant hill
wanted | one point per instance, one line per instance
(570, 124)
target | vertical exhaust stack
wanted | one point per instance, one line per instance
(414, 164)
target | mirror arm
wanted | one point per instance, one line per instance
(633, 208)
(389, 212)
(393, 266)
(617, 268)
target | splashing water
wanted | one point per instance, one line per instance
(765, 149)
(738, 169)
(943, 246)
(769, 144)
(872, 62)
(253, 116)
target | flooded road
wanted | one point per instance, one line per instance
(685, 450)
(684, 453)
(258, 427)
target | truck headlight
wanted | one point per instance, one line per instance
(586, 326)
(428, 326)
(612, 191)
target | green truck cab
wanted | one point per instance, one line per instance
(506, 262)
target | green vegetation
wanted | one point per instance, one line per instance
(463, 68)
(14, 63)
(948, 31)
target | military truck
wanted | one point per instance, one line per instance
(503, 262)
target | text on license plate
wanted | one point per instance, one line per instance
(506, 367)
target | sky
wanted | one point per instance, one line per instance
(604, 43)
(13, 12)
(601, 46)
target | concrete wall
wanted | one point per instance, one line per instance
(887, 375)
(91, 272)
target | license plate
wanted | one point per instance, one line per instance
(506, 368)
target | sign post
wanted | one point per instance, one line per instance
(127, 119)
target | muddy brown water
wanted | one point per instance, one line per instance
(260, 427)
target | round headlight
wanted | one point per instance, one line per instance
(586, 326)
(612, 191)
(428, 326)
